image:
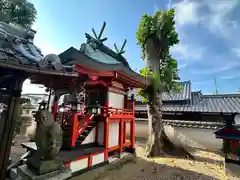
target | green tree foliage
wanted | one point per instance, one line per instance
(19, 12)
(160, 27)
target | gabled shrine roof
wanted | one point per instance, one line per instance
(100, 52)
(228, 132)
(95, 63)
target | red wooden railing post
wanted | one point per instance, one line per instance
(106, 136)
(124, 132)
(132, 126)
(120, 135)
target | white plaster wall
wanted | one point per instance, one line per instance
(189, 137)
(100, 133)
(91, 137)
(97, 159)
(115, 100)
(79, 165)
(128, 129)
(113, 134)
(141, 130)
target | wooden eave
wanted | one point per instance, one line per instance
(118, 75)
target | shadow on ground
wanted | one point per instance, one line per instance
(145, 170)
(141, 143)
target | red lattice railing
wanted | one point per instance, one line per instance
(119, 113)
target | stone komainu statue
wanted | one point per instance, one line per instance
(48, 135)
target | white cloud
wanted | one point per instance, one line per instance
(186, 12)
(220, 68)
(220, 17)
(237, 51)
(187, 52)
(216, 16)
(181, 66)
(228, 77)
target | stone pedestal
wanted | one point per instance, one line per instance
(27, 174)
(40, 167)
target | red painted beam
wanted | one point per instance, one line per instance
(120, 135)
(124, 131)
(106, 137)
(132, 127)
(90, 160)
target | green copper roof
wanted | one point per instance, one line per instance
(96, 50)
(99, 55)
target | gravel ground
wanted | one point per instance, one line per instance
(208, 166)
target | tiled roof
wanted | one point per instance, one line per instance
(227, 103)
(17, 51)
(187, 124)
(185, 93)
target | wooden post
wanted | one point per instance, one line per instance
(124, 122)
(124, 131)
(132, 125)
(106, 137)
(120, 135)
(8, 125)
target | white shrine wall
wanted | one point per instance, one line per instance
(98, 158)
(79, 165)
(116, 97)
(91, 137)
(100, 136)
(113, 139)
(115, 100)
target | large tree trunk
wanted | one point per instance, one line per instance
(158, 142)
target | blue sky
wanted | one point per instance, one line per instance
(208, 30)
